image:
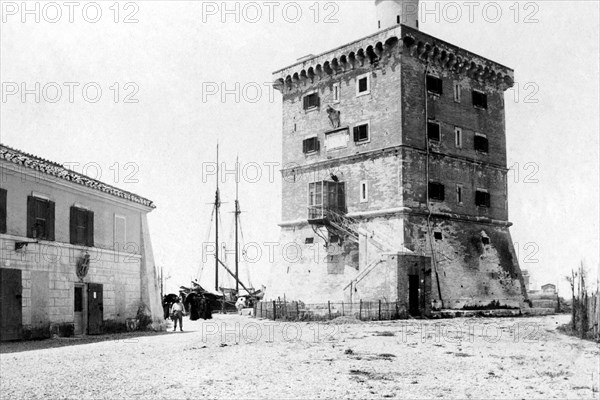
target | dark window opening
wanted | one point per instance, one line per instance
(437, 235)
(334, 239)
(2, 210)
(82, 227)
(397, 19)
(310, 145)
(479, 99)
(361, 133)
(378, 24)
(78, 303)
(436, 191)
(485, 240)
(309, 240)
(434, 85)
(363, 84)
(433, 131)
(40, 218)
(312, 101)
(481, 144)
(459, 195)
(482, 199)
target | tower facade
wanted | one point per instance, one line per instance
(394, 177)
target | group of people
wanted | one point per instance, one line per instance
(198, 306)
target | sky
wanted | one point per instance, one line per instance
(145, 90)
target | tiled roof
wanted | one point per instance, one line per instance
(54, 169)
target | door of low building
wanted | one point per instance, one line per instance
(78, 309)
(95, 308)
(11, 313)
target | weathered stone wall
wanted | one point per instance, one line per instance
(472, 272)
(49, 275)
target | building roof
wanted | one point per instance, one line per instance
(57, 170)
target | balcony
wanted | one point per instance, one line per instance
(325, 198)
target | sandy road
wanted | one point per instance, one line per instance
(239, 357)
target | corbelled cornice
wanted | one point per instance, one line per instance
(390, 43)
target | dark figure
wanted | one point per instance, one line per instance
(168, 301)
(177, 314)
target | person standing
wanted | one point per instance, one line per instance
(177, 314)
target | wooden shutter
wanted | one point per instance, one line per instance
(305, 146)
(50, 221)
(317, 145)
(305, 102)
(90, 229)
(356, 132)
(2, 210)
(30, 215)
(73, 226)
(317, 101)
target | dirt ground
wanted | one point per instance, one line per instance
(240, 357)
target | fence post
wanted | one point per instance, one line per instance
(329, 307)
(343, 315)
(297, 311)
(261, 314)
(360, 310)
(380, 310)
(274, 310)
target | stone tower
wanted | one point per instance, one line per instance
(395, 12)
(394, 175)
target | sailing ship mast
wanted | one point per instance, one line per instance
(237, 216)
(217, 206)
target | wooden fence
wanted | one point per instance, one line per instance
(586, 316)
(298, 311)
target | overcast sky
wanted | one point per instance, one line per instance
(173, 53)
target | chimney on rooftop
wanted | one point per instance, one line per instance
(394, 12)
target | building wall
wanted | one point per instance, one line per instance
(21, 183)
(49, 267)
(48, 281)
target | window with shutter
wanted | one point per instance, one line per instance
(361, 133)
(82, 227)
(481, 143)
(2, 210)
(436, 191)
(434, 85)
(363, 85)
(433, 131)
(311, 101)
(479, 99)
(310, 145)
(40, 218)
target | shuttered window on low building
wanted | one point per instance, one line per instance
(40, 218)
(81, 227)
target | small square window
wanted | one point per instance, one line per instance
(479, 99)
(436, 191)
(482, 198)
(361, 133)
(310, 145)
(437, 235)
(434, 85)
(363, 85)
(458, 137)
(312, 101)
(434, 131)
(481, 143)
(309, 240)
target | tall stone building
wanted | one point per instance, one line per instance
(394, 177)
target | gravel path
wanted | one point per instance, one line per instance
(240, 357)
